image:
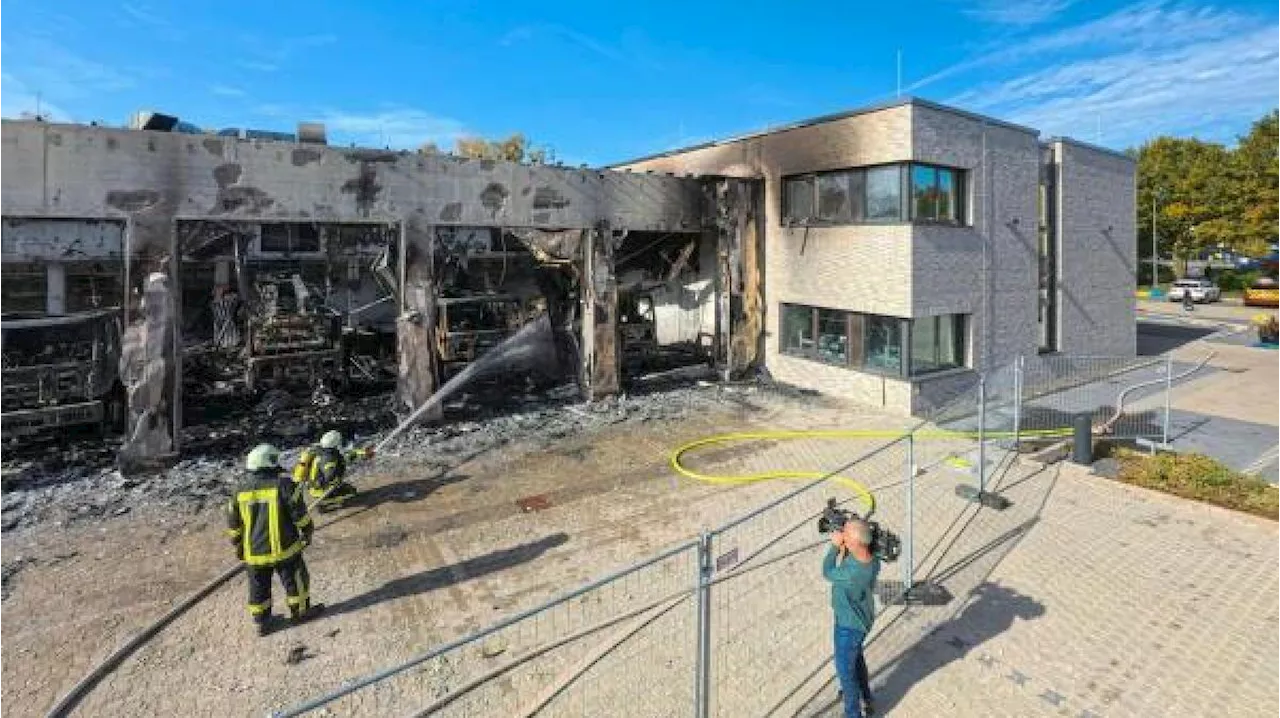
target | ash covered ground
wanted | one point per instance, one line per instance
(75, 479)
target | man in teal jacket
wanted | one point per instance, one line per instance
(852, 570)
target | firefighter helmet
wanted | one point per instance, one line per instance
(263, 456)
(331, 440)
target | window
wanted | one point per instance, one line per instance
(833, 336)
(878, 344)
(834, 204)
(937, 343)
(875, 194)
(934, 196)
(884, 344)
(797, 330)
(884, 194)
(797, 199)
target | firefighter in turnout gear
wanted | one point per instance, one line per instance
(324, 469)
(267, 521)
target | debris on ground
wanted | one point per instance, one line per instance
(10, 571)
(81, 483)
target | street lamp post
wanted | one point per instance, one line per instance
(1155, 251)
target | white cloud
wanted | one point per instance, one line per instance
(618, 54)
(398, 128)
(58, 73)
(16, 100)
(226, 91)
(1142, 70)
(271, 54)
(1017, 12)
(1151, 25)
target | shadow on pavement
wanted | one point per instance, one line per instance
(990, 610)
(444, 576)
(1159, 338)
(920, 640)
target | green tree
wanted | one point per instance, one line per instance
(1257, 173)
(1206, 194)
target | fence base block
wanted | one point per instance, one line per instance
(986, 498)
(920, 594)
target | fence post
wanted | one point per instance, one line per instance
(702, 691)
(908, 548)
(1017, 404)
(1168, 393)
(982, 434)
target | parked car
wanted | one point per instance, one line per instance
(1201, 290)
(1264, 292)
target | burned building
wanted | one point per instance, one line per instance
(148, 273)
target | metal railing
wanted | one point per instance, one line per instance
(736, 621)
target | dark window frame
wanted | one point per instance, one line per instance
(857, 209)
(961, 338)
(856, 327)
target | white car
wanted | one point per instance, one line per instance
(1201, 290)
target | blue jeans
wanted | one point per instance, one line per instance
(851, 668)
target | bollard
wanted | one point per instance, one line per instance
(1082, 447)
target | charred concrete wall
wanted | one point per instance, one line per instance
(148, 182)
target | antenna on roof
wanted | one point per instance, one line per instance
(899, 73)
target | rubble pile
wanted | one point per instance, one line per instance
(82, 486)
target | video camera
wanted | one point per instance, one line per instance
(884, 544)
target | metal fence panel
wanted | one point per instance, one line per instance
(738, 622)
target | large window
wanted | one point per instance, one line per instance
(884, 344)
(937, 343)
(885, 193)
(933, 194)
(874, 343)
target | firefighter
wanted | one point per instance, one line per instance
(324, 468)
(267, 521)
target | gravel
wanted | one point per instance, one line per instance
(82, 484)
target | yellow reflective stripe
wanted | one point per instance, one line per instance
(234, 533)
(273, 526)
(246, 519)
(274, 559)
(257, 609)
(303, 522)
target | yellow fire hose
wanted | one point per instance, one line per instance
(859, 489)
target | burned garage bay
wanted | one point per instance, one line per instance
(171, 298)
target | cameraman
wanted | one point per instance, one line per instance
(852, 570)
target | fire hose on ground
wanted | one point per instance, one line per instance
(77, 692)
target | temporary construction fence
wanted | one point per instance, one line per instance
(736, 621)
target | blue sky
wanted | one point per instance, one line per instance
(598, 82)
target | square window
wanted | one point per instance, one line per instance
(833, 336)
(937, 343)
(884, 194)
(833, 197)
(796, 329)
(883, 344)
(797, 200)
(924, 193)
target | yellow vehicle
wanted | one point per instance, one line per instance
(1264, 292)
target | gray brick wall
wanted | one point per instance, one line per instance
(1097, 239)
(916, 271)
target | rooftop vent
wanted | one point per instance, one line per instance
(312, 133)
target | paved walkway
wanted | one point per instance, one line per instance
(1232, 408)
(1089, 598)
